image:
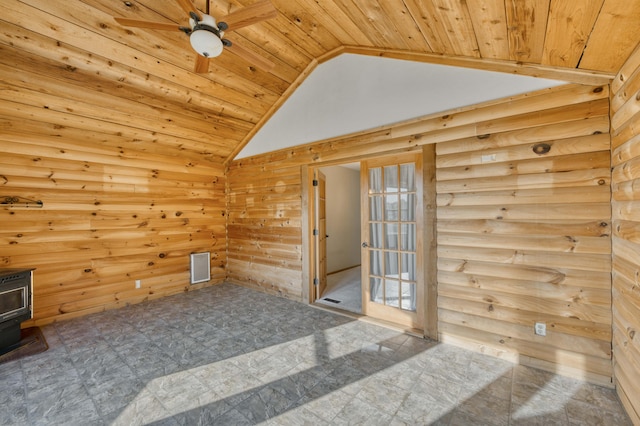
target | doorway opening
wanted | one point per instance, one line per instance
(338, 202)
(393, 229)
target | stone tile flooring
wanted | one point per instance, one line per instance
(232, 356)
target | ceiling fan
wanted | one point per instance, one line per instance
(207, 36)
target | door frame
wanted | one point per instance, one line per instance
(428, 234)
(310, 245)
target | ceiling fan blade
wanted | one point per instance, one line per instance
(259, 11)
(253, 58)
(188, 7)
(202, 64)
(146, 24)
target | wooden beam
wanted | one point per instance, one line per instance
(510, 67)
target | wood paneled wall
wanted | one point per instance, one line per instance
(265, 227)
(523, 224)
(522, 236)
(124, 198)
(625, 156)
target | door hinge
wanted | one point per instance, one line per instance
(315, 232)
(316, 281)
(315, 182)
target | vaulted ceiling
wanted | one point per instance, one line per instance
(145, 78)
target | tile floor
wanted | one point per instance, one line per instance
(232, 356)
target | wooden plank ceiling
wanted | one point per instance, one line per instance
(146, 76)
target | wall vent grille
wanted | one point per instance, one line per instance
(200, 267)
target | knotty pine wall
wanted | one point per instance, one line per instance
(525, 237)
(522, 237)
(264, 226)
(123, 199)
(625, 156)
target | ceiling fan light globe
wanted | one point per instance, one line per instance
(206, 43)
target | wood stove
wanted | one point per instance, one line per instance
(15, 304)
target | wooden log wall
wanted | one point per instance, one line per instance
(523, 235)
(265, 227)
(523, 223)
(625, 156)
(125, 197)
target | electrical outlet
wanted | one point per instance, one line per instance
(488, 158)
(540, 329)
(138, 283)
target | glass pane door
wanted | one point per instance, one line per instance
(392, 201)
